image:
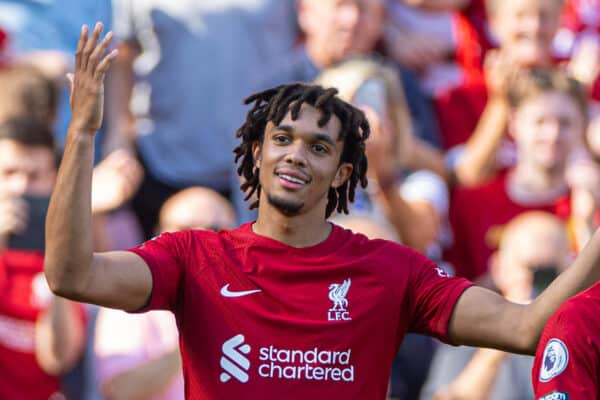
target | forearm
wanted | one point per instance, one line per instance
(69, 236)
(427, 157)
(59, 337)
(584, 272)
(477, 162)
(144, 381)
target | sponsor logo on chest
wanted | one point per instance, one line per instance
(313, 364)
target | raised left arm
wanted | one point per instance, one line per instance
(485, 319)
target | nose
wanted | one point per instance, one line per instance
(296, 155)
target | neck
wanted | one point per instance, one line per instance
(528, 184)
(302, 230)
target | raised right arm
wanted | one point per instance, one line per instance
(115, 279)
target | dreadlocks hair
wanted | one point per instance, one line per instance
(273, 105)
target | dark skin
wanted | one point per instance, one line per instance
(297, 164)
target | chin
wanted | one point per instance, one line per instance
(288, 207)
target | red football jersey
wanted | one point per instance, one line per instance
(477, 216)
(262, 320)
(25, 296)
(567, 361)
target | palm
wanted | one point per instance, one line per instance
(87, 84)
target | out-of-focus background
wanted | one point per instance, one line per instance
(485, 153)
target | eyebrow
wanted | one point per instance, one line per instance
(315, 135)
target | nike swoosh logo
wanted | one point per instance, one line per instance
(225, 292)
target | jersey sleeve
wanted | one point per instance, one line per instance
(165, 257)
(434, 295)
(566, 360)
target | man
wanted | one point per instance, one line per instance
(567, 361)
(289, 306)
(237, 43)
(547, 123)
(534, 248)
(41, 335)
(137, 356)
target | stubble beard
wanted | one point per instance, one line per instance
(286, 207)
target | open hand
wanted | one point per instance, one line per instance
(87, 84)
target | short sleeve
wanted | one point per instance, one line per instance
(426, 186)
(434, 295)
(164, 255)
(566, 360)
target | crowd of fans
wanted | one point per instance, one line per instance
(484, 156)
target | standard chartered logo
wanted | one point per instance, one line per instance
(277, 363)
(233, 362)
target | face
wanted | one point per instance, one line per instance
(525, 29)
(26, 169)
(299, 162)
(197, 211)
(339, 28)
(546, 128)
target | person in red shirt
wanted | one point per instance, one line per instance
(567, 360)
(524, 31)
(289, 306)
(547, 123)
(41, 335)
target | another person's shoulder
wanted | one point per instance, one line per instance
(579, 313)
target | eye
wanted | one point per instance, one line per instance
(319, 148)
(281, 139)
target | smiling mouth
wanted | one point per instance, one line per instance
(292, 179)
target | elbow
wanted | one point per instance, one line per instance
(61, 283)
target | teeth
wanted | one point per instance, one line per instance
(292, 179)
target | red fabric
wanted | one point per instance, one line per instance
(392, 290)
(20, 306)
(576, 326)
(459, 109)
(477, 216)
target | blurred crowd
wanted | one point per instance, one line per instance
(484, 155)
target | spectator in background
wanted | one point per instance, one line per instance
(44, 34)
(402, 193)
(334, 31)
(525, 31)
(171, 54)
(533, 250)
(548, 120)
(41, 335)
(27, 91)
(137, 355)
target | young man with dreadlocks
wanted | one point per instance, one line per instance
(290, 306)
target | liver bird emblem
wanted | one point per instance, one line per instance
(337, 294)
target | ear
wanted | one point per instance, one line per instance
(342, 175)
(257, 153)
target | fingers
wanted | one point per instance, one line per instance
(105, 64)
(91, 45)
(99, 52)
(83, 36)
